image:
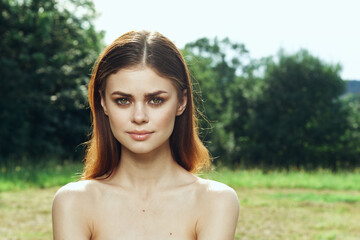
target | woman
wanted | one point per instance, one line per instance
(138, 181)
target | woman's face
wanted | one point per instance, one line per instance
(142, 107)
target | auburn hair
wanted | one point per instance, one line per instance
(153, 50)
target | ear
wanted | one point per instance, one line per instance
(103, 103)
(182, 104)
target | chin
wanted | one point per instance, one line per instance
(145, 148)
(139, 151)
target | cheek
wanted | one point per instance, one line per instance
(116, 121)
(165, 119)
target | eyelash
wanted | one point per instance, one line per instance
(119, 100)
(160, 101)
(151, 101)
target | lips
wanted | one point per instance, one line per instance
(140, 135)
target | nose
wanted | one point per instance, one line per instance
(139, 115)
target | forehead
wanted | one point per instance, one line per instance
(141, 79)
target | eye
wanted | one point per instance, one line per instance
(122, 101)
(156, 101)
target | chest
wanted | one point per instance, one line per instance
(120, 217)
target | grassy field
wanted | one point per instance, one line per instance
(44, 175)
(276, 205)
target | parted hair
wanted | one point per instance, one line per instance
(153, 50)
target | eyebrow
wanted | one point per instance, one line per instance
(146, 94)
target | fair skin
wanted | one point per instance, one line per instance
(149, 196)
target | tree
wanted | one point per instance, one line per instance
(47, 49)
(217, 67)
(351, 104)
(299, 120)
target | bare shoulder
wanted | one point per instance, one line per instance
(76, 196)
(76, 191)
(218, 210)
(70, 210)
(217, 191)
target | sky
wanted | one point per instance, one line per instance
(328, 29)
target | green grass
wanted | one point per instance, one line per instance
(45, 175)
(320, 179)
(317, 197)
(273, 205)
(51, 174)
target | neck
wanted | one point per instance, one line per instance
(146, 172)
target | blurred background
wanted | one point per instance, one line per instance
(278, 82)
(294, 103)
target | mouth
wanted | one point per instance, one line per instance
(140, 135)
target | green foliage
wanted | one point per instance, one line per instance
(47, 48)
(351, 103)
(285, 113)
(216, 66)
(291, 115)
(299, 120)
